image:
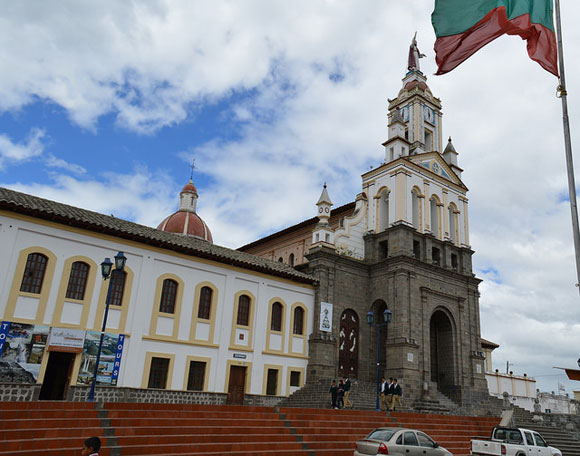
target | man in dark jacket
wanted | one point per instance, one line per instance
(347, 402)
(397, 393)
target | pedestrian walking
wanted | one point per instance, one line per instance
(333, 394)
(397, 393)
(347, 402)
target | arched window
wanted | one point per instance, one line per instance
(204, 310)
(434, 217)
(280, 260)
(243, 310)
(276, 323)
(77, 281)
(298, 321)
(118, 287)
(384, 210)
(34, 273)
(168, 296)
(291, 259)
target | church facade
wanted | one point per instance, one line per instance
(402, 245)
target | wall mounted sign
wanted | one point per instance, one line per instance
(66, 340)
(326, 317)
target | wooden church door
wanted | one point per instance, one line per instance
(348, 344)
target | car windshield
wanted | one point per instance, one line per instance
(381, 434)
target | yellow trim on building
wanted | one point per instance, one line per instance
(124, 307)
(147, 368)
(213, 309)
(144, 246)
(248, 378)
(250, 328)
(291, 369)
(156, 313)
(271, 332)
(304, 329)
(42, 297)
(201, 359)
(85, 302)
(278, 368)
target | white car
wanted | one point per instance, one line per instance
(399, 442)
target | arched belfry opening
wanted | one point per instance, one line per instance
(442, 349)
(378, 308)
(348, 344)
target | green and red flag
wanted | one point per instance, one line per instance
(464, 26)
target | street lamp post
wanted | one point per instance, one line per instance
(106, 271)
(387, 315)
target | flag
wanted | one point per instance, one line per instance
(464, 26)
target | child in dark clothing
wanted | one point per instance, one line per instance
(333, 393)
(340, 402)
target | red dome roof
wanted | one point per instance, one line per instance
(415, 83)
(189, 187)
(185, 222)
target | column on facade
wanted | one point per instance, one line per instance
(427, 207)
(401, 196)
(465, 221)
(445, 218)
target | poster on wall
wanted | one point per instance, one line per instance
(110, 360)
(21, 349)
(326, 316)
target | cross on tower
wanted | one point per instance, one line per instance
(192, 167)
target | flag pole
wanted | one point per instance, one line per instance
(563, 95)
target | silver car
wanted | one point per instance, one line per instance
(399, 442)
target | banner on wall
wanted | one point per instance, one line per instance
(326, 317)
(109, 363)
(21, 349)
(66, 340)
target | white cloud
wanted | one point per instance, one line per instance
(314, 79)
(53, 162)
(12, 152)
(140, 196)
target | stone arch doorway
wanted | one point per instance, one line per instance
(378, 308)
(442, 349)
(348, 343)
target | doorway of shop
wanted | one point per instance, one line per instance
(57, 376)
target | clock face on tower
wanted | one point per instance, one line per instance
(404, 113)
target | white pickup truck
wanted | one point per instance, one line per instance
(506, 441)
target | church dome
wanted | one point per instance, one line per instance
(185, 220)
(188, 223)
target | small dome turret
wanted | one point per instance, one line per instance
(185, 220)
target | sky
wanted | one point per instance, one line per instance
(104, 105)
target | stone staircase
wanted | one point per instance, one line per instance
(140, 429)
(315, 394)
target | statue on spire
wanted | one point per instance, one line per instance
(414, 55)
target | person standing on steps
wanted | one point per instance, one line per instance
(347, 402)
(340, 402)
(389, 398)
(384, 391)
(333, 394)
(397, 393)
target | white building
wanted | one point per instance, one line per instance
(194, 315)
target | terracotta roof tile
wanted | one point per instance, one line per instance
(22, 203)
